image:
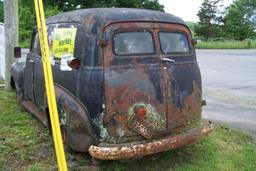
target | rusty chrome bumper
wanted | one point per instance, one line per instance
(131, 150)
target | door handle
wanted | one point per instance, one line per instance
(31, 60)
(167, 60)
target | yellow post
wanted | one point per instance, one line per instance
(49, 86)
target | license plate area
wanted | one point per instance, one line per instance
(142, 127)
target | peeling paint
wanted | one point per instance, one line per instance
(99, 123)
(63, 117)
(121, 132)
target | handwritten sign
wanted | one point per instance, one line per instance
(63, 42)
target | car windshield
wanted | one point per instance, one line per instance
(173, 42)
(127, 43)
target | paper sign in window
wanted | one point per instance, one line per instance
(63, 42)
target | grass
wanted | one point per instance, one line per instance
(224, 149)
(26, 145)
(227, 45)
(24, 142)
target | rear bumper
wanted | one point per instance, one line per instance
(132, 150)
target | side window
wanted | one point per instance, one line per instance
(65, 44)
(35, 44)
(61, 39)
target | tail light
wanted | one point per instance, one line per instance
(74, 63)
(141, 112)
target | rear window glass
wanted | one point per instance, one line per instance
(127, 43)
(173, 42)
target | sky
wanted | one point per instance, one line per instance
(186, 9)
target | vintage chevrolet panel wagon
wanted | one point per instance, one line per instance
(127, 82)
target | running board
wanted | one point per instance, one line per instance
(33, 109)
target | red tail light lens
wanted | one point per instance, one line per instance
(74, 63)
(141, 112)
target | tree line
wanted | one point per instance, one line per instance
(238, 21)
(27, 20)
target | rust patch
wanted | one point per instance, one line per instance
(89, 20)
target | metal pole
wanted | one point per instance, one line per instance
(11, 36)
(49, 86)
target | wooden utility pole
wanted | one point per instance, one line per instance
(11, 36)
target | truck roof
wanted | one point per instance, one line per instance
(103, 16)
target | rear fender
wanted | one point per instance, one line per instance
(74, 119)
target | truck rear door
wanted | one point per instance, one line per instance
(134, 81)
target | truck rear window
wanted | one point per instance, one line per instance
(173, 42)
(127, 43)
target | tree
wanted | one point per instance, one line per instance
(27, 20)
(209, 19)
(240, 19)
(192, 27)
(74, 4)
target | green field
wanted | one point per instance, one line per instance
(227, 45)
(26, 145)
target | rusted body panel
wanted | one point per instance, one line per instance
(171, 92)
(99, 102)
(137, 150)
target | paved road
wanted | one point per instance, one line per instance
(229, 87)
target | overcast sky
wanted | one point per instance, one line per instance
(186, 9)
